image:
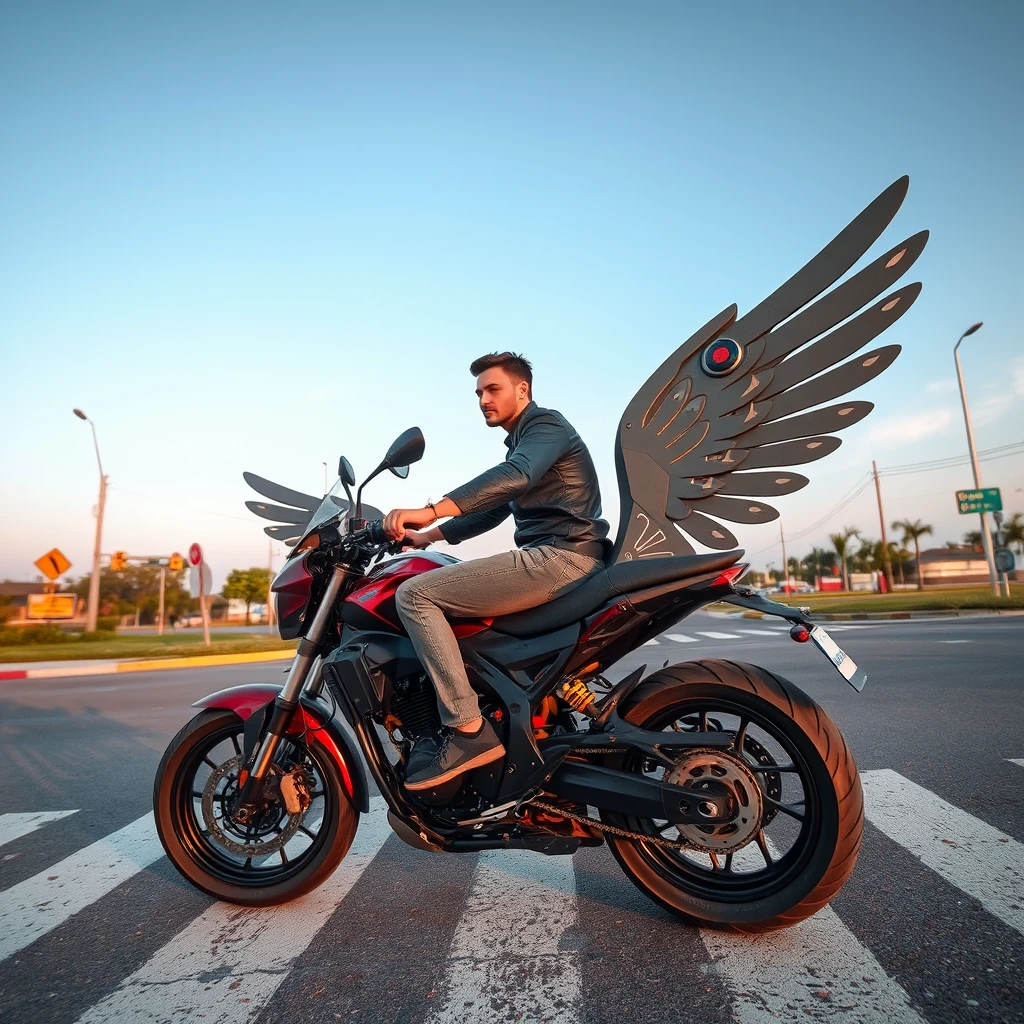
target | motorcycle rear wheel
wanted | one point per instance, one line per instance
(197, 773)
(787, 741)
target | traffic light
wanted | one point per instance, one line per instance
(118, 560)
(176, 563)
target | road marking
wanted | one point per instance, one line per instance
(681, 638)
(760, 632)
(41, 903)
(227, 964)
(14, 826)
(968, 853)
(719, 636)
(505, 960)
(956, 641)
(815, 969)
(1016, 760)
(650, 643)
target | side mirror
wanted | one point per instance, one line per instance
(345, 471)
(406, 449)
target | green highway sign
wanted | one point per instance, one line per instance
(984, 499)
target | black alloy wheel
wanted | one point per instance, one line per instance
(796, 837)
(278, 855)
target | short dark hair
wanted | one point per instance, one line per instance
(516, 366)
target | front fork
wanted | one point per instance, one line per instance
(286, 702)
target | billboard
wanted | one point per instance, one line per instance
(52, 606)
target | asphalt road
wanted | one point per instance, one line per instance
(930, 927)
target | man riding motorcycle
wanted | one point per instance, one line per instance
(549, 485)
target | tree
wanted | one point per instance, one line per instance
(841, 543)
(914, 531)
(972, 538)
(248, 585)
(1014, 527)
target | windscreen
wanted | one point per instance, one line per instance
(331, 508)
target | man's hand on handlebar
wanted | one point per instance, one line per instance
(398, 520)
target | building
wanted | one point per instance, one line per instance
(944, 566)
(18, 594)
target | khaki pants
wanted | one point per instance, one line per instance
(483, 588)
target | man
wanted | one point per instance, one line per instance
(548, 484)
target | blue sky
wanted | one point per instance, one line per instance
(259, 236)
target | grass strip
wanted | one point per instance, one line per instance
(168, 646)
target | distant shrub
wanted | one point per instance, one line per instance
(107, 623)
(25, 635)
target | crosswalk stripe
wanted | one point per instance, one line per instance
(760, 632)
(967, 852)
(718, 636)
(817, 968)
(505, 960)
(682, 638)
(229, 962)
(40, 903)
(17, 824)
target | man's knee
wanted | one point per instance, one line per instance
(407, 596)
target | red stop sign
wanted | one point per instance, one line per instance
(195, 554)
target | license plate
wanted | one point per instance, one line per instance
(846, 666)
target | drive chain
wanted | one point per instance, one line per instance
(667, 844)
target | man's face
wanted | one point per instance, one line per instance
(501, 398)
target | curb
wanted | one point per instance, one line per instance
(944, 613)
(155, 665)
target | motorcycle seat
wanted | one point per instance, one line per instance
(605, 585)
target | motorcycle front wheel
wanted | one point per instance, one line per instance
(797, 833)
(281, 854)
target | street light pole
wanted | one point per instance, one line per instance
(94, 579)
(986, 537)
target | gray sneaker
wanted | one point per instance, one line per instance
(458, 753)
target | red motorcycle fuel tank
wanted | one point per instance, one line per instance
(371, 605)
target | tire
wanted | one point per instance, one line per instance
(208, 865)
(806, 877)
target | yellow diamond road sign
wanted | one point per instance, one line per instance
(53, 564)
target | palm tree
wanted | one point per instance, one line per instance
(972, 538)
(1014, 527)
(841, 541)
(914, 531)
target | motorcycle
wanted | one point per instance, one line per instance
(724, 792)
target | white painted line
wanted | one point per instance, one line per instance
(816, 969)
(1016, 760)
(968, 853)
(681, 638)
(760, 632)
(650, 643)
(41, 903)
(14, 826)
(227, 964)
(719, 636)
(505, 962)
(956, 641)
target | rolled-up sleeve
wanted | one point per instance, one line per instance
(544, 440)
(463, 527)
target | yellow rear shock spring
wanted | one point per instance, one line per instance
(579, 696)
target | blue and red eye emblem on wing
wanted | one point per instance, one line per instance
(722, 356)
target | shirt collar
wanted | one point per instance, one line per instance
(519, 421)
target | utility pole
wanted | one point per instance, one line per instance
(785, 563)
(886, 560)
(986, 537)
(94, 579)
(270, 582)
(160, 611)
(325, 478)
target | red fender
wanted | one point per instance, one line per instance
(249, 698)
